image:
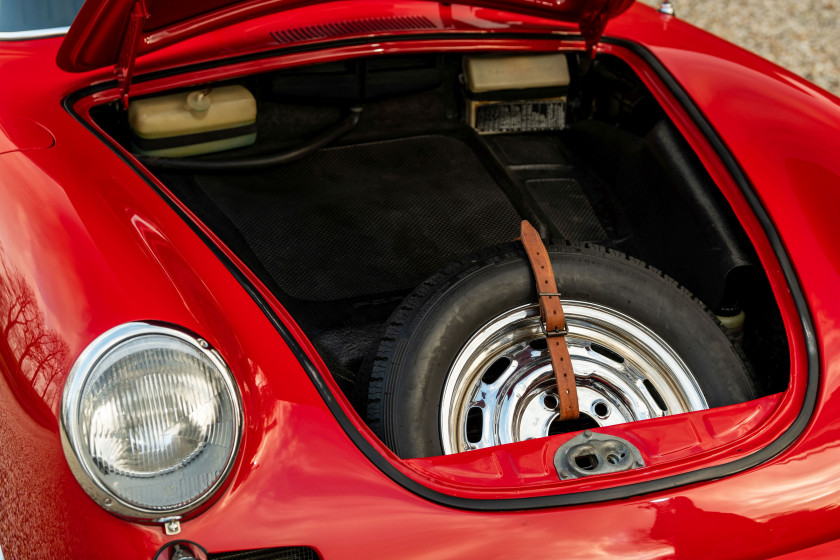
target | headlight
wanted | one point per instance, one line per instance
(150, 421)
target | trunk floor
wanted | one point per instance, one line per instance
(354, 221)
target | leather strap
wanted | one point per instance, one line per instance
(553, 322)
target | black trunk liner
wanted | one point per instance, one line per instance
(366, 219)
(567, 208)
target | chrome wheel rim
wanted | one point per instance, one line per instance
(501, 388)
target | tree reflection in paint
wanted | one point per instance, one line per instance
(33, 358)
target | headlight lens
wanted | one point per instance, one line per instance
(150, 421)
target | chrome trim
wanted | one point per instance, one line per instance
(172, 526)
(33, 34)
(80, 464)
(667, 8)
(520, 403)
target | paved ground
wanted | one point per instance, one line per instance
(801, 35)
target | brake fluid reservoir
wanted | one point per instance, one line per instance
(193, 122)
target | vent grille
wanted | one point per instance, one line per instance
(285, 553)
(352, 27)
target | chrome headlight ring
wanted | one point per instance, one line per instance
(151, 421)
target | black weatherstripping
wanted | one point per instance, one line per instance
(512, 504)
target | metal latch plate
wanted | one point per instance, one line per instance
(592, 453)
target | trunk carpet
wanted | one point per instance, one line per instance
(352, 221)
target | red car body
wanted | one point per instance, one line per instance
(89, 243)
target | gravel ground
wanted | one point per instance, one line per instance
(801, 35)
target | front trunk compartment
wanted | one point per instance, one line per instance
(342, 235)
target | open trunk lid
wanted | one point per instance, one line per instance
(115, 32)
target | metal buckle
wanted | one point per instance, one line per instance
(556, 332)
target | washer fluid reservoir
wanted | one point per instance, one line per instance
(193, 122)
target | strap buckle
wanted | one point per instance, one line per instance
(555, 332)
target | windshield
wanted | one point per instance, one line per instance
(28, 18)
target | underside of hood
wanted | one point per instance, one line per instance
(115, 32)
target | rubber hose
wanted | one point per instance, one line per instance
(260, 162)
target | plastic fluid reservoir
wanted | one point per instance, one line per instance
(733, 318)
(193, 122)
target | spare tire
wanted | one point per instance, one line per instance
(463, 363)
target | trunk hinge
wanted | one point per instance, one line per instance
(592, 31)
(124, 69)
(592, 27)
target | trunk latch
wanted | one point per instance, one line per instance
(592, 453)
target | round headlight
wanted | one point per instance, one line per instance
(150, 421)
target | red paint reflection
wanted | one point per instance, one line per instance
(680, 523)
(33, 357)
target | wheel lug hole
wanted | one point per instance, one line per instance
(601, 409)
(550, 402)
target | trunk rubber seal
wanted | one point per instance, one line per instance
(537, 502)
